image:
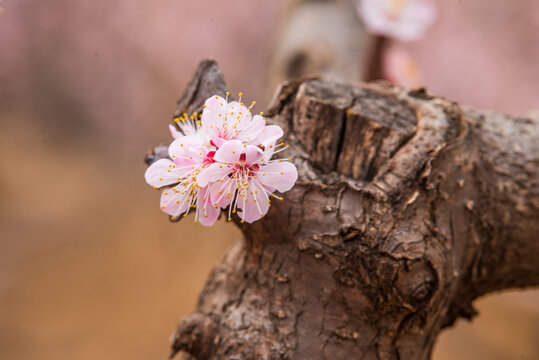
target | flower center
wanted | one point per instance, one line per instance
(209, 158)
(243, 171)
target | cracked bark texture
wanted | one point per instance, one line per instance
(407, 208)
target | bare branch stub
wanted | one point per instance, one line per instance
(407, 208)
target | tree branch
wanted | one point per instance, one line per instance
(407, 208)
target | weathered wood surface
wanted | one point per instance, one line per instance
(407, 208)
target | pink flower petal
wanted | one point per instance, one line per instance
(192, 157)
(175, 201)
(207, 213)
(218, 141)
(162, 173)
(210, 120)
(174, 131)
(222, 192)
(269, 135)
(234, 110)
(278, 175)
(180, 145)
(255, 203)
(253, 130)
(212, 173)
(229, 152)
(253, 154)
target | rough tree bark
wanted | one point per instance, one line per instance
(407, 208)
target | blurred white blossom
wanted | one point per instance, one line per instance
(405, 20)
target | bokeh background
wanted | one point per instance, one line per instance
(89, 266)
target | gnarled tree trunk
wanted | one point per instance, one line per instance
(407, 208)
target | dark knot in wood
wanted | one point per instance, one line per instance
(195, 334)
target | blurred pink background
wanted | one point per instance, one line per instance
(89, 266)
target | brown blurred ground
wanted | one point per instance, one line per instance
(89, 266)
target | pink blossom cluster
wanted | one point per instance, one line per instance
(222, 158)
(405, 20)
